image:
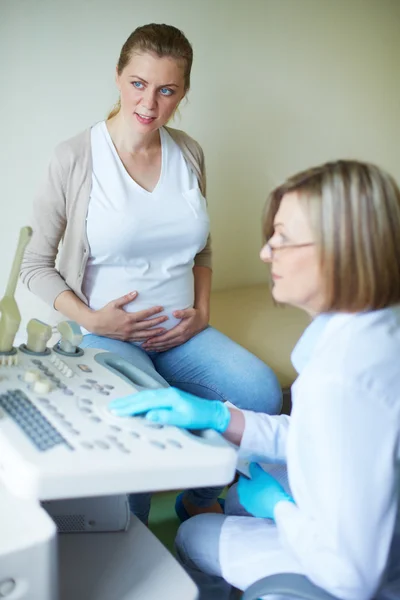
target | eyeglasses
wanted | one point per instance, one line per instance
(272, 249)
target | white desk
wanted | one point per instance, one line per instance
(132, 565)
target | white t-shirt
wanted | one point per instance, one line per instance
(140, 240)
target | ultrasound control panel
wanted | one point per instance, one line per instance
(58, 438)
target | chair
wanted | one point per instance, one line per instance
(286, 584)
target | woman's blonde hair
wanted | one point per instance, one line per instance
(354, 209)
(161, 40)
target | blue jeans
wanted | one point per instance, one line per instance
(209, 365)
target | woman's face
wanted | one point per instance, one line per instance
(293, 256)
(151, 88)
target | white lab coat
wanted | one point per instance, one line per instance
(341, 444)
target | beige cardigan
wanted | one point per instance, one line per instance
(60, 210)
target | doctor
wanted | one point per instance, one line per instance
(333, 242)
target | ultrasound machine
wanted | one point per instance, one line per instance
(67, 465)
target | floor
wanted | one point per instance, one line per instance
(163, 521)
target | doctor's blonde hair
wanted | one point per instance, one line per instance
(354, 209)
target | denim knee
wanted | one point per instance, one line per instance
(232, 504)
(261, 392)
(197, 542)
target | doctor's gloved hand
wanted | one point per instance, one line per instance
(260, 494)
(170, 406)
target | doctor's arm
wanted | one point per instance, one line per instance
(343, 479)
(260, 437)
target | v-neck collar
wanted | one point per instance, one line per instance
(128, 177)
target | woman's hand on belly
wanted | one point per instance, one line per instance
(114, 322)
(193, 320)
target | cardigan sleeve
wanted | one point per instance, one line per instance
(204, 257)
(48, 222)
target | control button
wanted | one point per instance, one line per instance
(36, 361)
(43, 386)
(87, 445)
(174, 443)
(135, 435)
(71, 337)
(68, 392)
(31, 376)
(102, 445)
(88, 411)
(38, 335)
(95, 419)
(91, 381)
(44, 400)
(7, 586)
(157, 444)
(154, 425)
(73, 431)
(115, 428)
(85, 387)
(123, 448)
(104, 392)
(86, 401)
(85, 368)
(107, 386)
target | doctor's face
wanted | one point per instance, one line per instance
(294, 258)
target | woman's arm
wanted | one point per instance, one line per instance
(72, 307)
(202, 290)
(38, 271)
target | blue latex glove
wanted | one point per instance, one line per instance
(170, 406)
(260, 494)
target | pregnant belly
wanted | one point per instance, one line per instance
(170, 294)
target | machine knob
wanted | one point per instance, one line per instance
(38, 335)
(31, 376)
(7, 586)
(71, 336)
(43, 386)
